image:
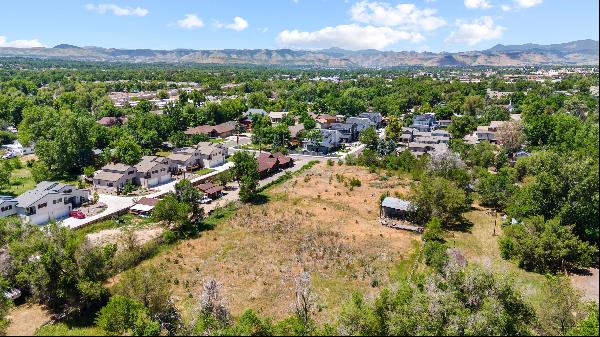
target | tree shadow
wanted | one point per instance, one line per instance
(260, 199)
(463, 225)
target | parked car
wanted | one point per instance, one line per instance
(205, 200)
(77, 215)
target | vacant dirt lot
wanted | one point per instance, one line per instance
(314, 222)
(25, 319)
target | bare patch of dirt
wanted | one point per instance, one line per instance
(26, 319)
(109, 236)
(314, 222)
(587, 283)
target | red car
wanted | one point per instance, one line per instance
(77, 215)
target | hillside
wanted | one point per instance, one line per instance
(583, 52)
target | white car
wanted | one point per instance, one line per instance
(205, 200)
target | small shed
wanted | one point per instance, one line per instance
(394, 208)
(144, 206)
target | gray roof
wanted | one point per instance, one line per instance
(360, 120)
(108, 176)
(30, 197)
(117, 167)
(396, 203)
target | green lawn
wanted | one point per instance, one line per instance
(204, 171)
(21, 180)
(217, 140)
(62, 329)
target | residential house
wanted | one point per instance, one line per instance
(46, 202)
(113, 177)
(489, 132)
(269, 164)
(330, 140)
(374, 117)
(361, 123)
(246, 119)
(18, 149)
(295, 131)
(323, 121)
(444, 123)
(277, 116)
(348, 131)
(185, 159)
(153, 171)
(222, 130)
(425, 122)
(212, 155)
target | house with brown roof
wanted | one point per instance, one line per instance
(211, 190)
(111, 121)
(153, 171)
(222, 130)
(269, 163)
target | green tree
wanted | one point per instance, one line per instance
(246, 173)
(148, 286)
(5, 173)
(545, 246)
(462, 126)
(441, 198)
(123, 314)
(562, 304)
(587, 326)
(393, 131)
(171, 211)
(370, 138)
(495, 190)
(126, 150)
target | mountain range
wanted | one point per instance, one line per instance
(582, 52)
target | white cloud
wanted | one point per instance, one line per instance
(407, 16)
(521, 4)
(190, 21)
(35, 43)
(238, 24)
(117, 10)
(481, 4)
(528, 3)
(351, 36)
(481, 29)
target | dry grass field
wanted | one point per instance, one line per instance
(314, 222)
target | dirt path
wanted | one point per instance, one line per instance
(588, 284)
(26, 319)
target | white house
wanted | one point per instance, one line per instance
(153, 171)
(19, 149)
(46, 202)
(212, 155)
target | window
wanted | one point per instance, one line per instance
(42, 205)
(130, 172)
(6, 208)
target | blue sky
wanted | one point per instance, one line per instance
(421, 25)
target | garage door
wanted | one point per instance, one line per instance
(152, 182)
(165, 179)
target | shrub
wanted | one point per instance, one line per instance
(435, 255)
